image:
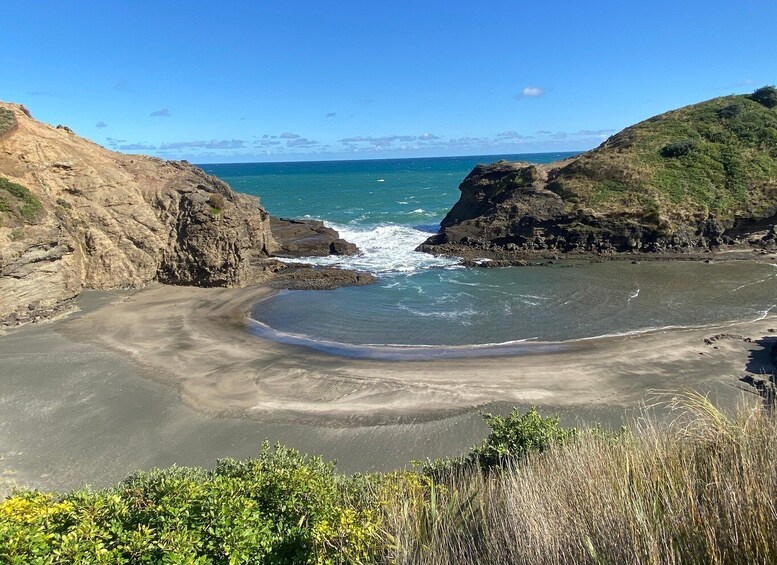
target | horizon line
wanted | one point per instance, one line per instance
(377, 159)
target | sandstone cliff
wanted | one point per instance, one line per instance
(75, 215)
(694, 179)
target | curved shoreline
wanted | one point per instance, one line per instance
(513, 348)
(198, 340)
(399, 352)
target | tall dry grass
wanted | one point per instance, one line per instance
(699, 489)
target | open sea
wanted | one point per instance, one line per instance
(388, 207)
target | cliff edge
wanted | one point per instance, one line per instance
(75, 215)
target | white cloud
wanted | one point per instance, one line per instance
(531, 92)
(510, 135)
(388, 140)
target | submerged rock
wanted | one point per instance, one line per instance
(304, 277)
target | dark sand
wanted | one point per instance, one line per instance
(171, 375)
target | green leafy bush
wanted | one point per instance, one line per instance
(280, 507)
(511, 439)
(517, 435)
(677, 149)
(766, 95)
(730, 111)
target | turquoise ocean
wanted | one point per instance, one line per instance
(421, 302)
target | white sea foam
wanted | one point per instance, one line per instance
(443, 314)
(384, 249)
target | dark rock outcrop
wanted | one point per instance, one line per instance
(506, 210)
(307, 238)
(304, 277)
(631, 194)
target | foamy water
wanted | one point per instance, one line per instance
(384, 249)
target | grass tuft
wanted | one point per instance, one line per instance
(7, 121)
(18, 204)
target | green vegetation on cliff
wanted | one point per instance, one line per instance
(698, 490)
(17, 204)
(692, 180)
(7, 120)
(718, 157)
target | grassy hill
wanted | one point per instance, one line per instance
(719, 156)
(688, 181)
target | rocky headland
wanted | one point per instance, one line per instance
(695, 180)
(75, 215)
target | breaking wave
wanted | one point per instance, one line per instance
(384, 249)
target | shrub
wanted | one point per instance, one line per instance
(216, 202)
(7, 120)
(766, 95)
(730, 111)
(677, 149)
(517, 435)
(281, 507)
(511, 439)
(27, 206)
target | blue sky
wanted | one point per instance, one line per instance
(292, 80)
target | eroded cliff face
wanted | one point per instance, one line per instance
(99, 219)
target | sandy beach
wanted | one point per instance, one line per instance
(196, 340)
(173, 375)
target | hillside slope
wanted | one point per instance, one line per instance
(75, 215)
(695, 178)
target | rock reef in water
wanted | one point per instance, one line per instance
(75, 215)
(308, 238)
(691, 180)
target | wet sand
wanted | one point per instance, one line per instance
(172, 375)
